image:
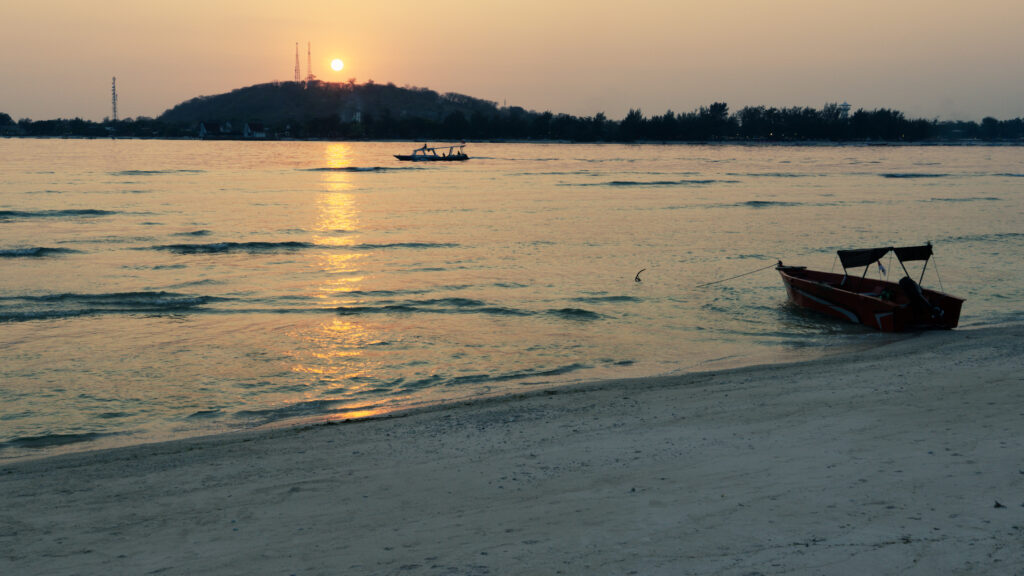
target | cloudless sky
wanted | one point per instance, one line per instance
(947, 59)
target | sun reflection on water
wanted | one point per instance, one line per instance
(338, 222)
(358, 414)
(336, 355)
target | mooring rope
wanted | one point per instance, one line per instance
(735, 277)
(935, 266)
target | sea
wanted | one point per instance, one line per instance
(154, 290)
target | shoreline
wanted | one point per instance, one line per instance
(903, 458)
(965, 143)
(90, 442)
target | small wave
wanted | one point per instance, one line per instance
(1010, 175)
(51, 440)
(601, 299)
(663, 182)
(556, 173)
(356, 310)
(153, 172)
(509, 376)
(193, 233)
(606, 160)
(574, 314)
(70, 213)
(462, 306)
(912, 175)
(438, 380)
(134, 298)
(299, 409)
(454, 302)
(34, 252)
(433, 306)
(415, 245)
(287, 246)
(29, 315)
(998, 237)
(68, 305)
(114, 415)
(360, 169)
(226, 247)
(205, 413)
(777, 175)
(385, 292)
(653, 183)
(969, 199)
(767, 204)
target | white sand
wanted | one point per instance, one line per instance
(890, 463)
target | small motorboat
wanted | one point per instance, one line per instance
(453, 153)
(886, 306)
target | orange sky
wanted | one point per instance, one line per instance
(952, 60)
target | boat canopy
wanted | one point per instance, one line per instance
(909, 253)
(433, 149)
(868, 256)
(862, 256)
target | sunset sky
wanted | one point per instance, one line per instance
(945, 59)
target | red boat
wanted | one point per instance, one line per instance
(886, 306)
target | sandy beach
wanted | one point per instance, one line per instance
(903, 459)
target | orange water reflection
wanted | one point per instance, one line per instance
(336, 354)
(358, 414)
(337, 223)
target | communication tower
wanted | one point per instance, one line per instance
(113, 97)
(309, 62)
(297, 74)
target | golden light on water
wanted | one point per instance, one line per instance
(337, 224)
(337, 160)
(334, 352)
(358, 414)
(337, 211)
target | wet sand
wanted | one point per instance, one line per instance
(904, 459)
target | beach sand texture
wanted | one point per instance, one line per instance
(903, 459)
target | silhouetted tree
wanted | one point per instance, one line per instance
(540, 127)
(632, 126)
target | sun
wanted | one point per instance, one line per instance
(337, 64)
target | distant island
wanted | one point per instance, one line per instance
(370, 111)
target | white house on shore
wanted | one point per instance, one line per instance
(254, 130)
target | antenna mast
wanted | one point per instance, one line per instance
(297, 75)
(113, 96)
(309, 62)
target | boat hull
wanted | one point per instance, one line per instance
(885, 306)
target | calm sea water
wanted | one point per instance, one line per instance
(154, 290)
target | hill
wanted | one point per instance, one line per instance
(298, 104)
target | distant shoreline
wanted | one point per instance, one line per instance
(370, 111)
(780, 143)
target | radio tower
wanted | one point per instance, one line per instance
(113, 96)
(297, 75)
(309, 62)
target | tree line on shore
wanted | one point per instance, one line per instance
(713, 123)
